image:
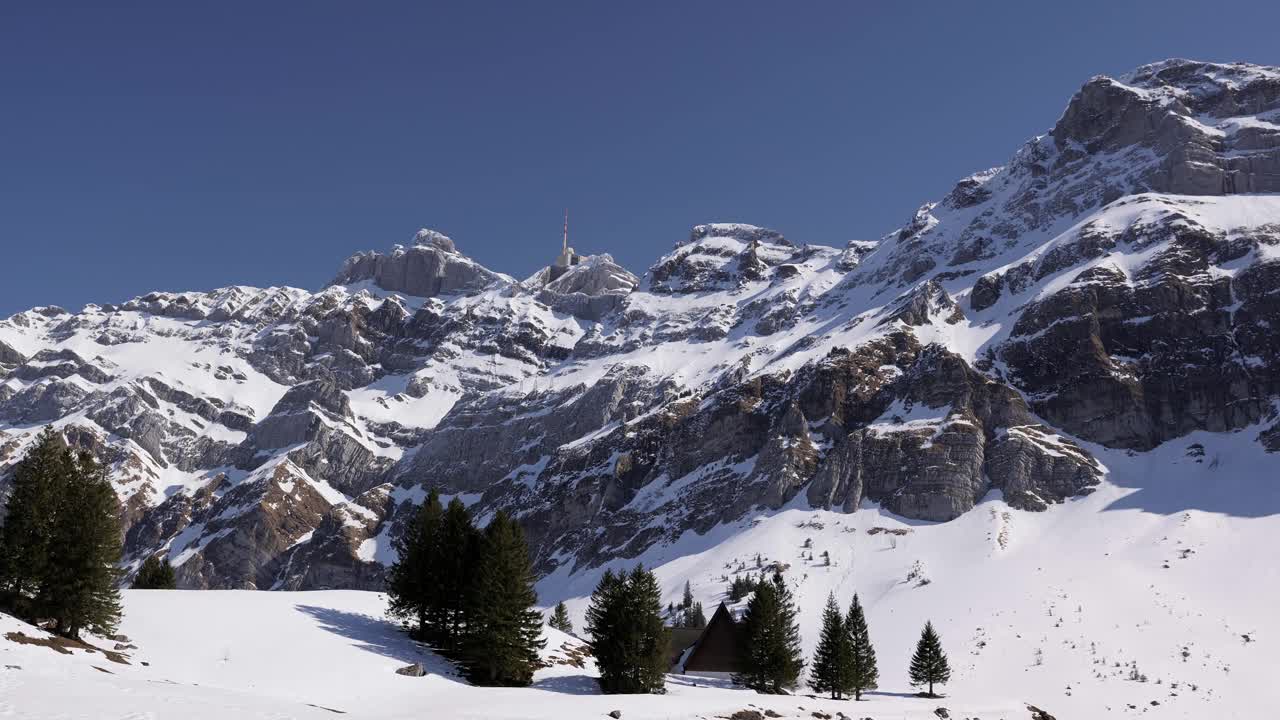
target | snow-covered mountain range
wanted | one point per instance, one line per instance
(1114, 288)
(1044, 414)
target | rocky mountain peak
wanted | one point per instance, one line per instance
(432, 266)
(721, 256)
(737, 231)
(1109, 289)
(1178, 127)
(434, 238)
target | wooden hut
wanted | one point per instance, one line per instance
(719, 649)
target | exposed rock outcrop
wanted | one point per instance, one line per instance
(429, 268)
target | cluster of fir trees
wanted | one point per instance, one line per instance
(688, 614)
(742, 586)
(155, 574)
(844, 662)
(469, 592)
(60, 543)
(629, 640)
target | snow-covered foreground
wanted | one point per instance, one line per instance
(244, 654)
(1152, 597)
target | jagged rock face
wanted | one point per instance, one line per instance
(279, 438)
(1134, 353)
(721, 256)
(1212, 125)
(590, 290)
(431, 267)
(1176, 127)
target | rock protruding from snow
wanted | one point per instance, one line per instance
(721, 256)
(1176, 127)
(9, 359)
(430, 268)
(590, 289)
(436, 239)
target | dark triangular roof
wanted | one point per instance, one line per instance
(720, 647)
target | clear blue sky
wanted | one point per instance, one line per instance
(194, 145)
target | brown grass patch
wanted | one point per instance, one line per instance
(64, 645)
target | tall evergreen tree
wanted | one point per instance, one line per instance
(929, 664)
(461, 547)
(155, 574)
(628, 638)
(606, 618)
(80, 591)
(687, 601)
(773, 662)
(412, 583)
(503, 630)
(560, 619)
(862, 672)
(694, 617)
(648, 637)
(829, 672)
(28, 530)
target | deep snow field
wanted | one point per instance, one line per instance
(1173, 570)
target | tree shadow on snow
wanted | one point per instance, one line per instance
(884, 693)
(569, 685)
(380, 637)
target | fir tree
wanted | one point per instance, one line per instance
(929, 664)
(863, 674)
(694, 617)
(460, 547)
(79, 591)
(412, 584)
(772, 663)
(560, 619)
(740, 587)
(606, 616)
(29, 521)
(503, 631)
(647, 639)
(628, 639)
(829, 672)
(687, 601)
(155, 574)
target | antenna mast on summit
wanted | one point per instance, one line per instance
(565, 245)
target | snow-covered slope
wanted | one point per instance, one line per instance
(1088, 318)
(320, 654)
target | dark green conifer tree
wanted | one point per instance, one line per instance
(460, 547)
(79, 591)
(647, 639)
(606, 617)
(628, 638)
(155, 574)
(31, 511)
(773, 662)
(560, 619)
(412, 581)
(929, 664)
(862, 672)
(829, 672)
(694, 617)
(503, 631)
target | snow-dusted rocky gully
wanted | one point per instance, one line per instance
(1057, 385)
